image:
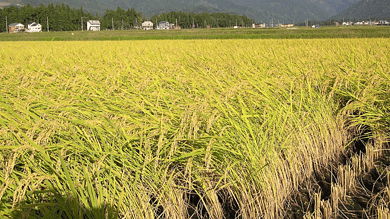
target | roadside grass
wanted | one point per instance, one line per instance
(180, 129)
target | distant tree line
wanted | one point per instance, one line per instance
(123, 19)
(63, 18)
(202, 20)
(60, 17)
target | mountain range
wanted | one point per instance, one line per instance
(265, 11)
(333, 7)
(365, 9)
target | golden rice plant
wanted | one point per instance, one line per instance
(179, 129)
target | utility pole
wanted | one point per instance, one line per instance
(112, 21)
(217, 23)
(6, 25)
(272, 22)
(47, 23)
(242, 23)
(82, 28)
(136, 23)
(156, 23)
(236, 22)
(176, 24)
(193, 23)
(122, 23)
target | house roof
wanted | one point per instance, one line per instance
(94, 22)
(15, 24)
(33, 24)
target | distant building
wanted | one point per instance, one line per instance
(258, 25)
(348, 23)
(93, 25)
(15, 27)
(176, 27)
(34, 27)
(147, 25)
(286, 25)
(163, 25)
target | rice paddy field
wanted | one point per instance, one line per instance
(199, 33)
(277, 128)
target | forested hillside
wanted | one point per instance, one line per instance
(297, 10)
(366, 9)
(333, 7)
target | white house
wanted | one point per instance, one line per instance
(163, 25)
(15, 27)
(147, 25)
(34, 27)
(93, 25)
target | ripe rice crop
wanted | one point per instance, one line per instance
(180, 129)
